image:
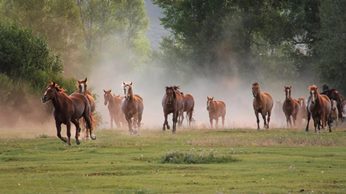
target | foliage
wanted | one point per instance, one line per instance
(331, 49)
(25, 57)
(193, 157)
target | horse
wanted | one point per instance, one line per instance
(319, 108)
(189, 104)
(172, 102)
(114, 108)
(68, 109)
(262, 103)
(334, 116)
(302, 112)
(82, 89)
(290, 107)
(216, 109)
(132, 107)
(333, 94)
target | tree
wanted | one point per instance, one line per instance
(331, 49)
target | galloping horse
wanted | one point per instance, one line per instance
(319, 108)
(172, 102)
(216, 109)
(132, 107)
(114, 108)
(262, 103)
(302, 112)
(334, 116)
(333, 94)
(68, 109)
(189, 104)
(290, 107)
(82, 89)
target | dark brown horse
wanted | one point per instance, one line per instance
(189, 104)
(132, 107)
(319, 108)
(262, 103)
(114, 108)
(83, 89)
(172, 102)
(216, 109)
(68, 109)
(290, 107)
(333, 94)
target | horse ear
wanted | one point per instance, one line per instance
(212, 98)
(104, 90)
(53, 84)
(123, 83)
(86, 79)
(131, 84)
(109, 91)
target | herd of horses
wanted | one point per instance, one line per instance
(79, 107)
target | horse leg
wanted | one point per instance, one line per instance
(256, 113)
(129, 123)
(190, 118)
(217, 122)
(78, 129)
(264, 120)
(58, 131)
(175, 119)
(165, 122)
(68, 131)
(308, 121)
(139, 120)
(223, 121)
(268, 119)
(211, 122)
(89, 125)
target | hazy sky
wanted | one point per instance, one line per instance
(155, 30)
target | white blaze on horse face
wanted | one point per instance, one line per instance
(82, 86)
(313, 95)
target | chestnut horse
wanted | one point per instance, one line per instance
(319, 108)
(302, 112)
(82, 89)
(334, 116)
(68, 109)
(262, 103)
(172, 102)
(290, 107)
(216, 109)
(189, 104)
(132, 107)
(114, 108)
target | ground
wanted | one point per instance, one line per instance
(267, 161)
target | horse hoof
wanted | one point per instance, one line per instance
(93, 137)
(77, 142)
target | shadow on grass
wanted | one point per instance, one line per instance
(193, 157)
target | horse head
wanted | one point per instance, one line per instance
(301, 101)
(107, 96)
(210, 104)
(82, 85)
(313, 93)
(127, 90)
(170, 94)
(255, 89)
(288, 90)
(51, 92)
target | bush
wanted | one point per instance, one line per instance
(194, 157)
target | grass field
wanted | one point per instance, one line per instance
(226, 161)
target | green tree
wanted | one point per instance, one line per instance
(331, 49)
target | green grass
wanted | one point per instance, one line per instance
(224, 161)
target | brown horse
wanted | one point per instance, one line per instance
(172, 102)
(189, 104)
(216, 109)
(132, 107)
(319, 108)
(290, 107)
(82, 89)
(334, 116)
(114, 108)
(68, 109)
(302, 112)
(333, 94)
(262, 103)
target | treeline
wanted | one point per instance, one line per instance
(265, 39)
